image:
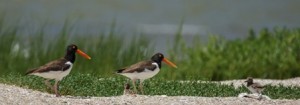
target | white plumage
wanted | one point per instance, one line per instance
(57, 75)
(143, 75)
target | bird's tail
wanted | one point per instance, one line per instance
(30, 71)
(119, 71)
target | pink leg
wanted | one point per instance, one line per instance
(56, 88)
(141, 86)
(48, 84)
(134, 87)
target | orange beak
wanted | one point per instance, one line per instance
(83, 54)
(169, 62)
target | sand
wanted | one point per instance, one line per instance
(13, 95)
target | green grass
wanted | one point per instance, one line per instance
(108, 52)
(266, 53)
(91, 85)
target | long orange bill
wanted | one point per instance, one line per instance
(169, 62)
(83, 54)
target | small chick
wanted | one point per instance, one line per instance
(254, 87)
(127, 90)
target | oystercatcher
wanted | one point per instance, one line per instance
(144, 69)
(59, 68)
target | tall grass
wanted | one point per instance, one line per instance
(108, 52)
(267, 54)
(264, 54)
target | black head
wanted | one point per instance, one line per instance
(158, 57)
(70, 53)
(249, 81)
(72, 48)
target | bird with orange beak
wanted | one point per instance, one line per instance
(144, 69)
(59, 68)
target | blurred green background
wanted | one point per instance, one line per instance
(205, 41)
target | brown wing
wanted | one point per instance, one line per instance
(138, 67)
(57, 65)
(257, 86)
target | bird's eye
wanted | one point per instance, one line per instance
(73, 47)
(159, 55)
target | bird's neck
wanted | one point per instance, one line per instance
(70, 57)
(249, 83)
(158, 63)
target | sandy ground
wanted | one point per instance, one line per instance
(13, 95)
(285, 82)
(273, 82)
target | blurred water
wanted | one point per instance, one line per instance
(230, 18)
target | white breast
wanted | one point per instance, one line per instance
(143, 75)
(255, 90)
(252, 89)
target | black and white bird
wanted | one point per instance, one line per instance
(59, 68)
(255, 88)
(144, 69)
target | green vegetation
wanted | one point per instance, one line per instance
(108, 52)
(266, 54)
(91, 85)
